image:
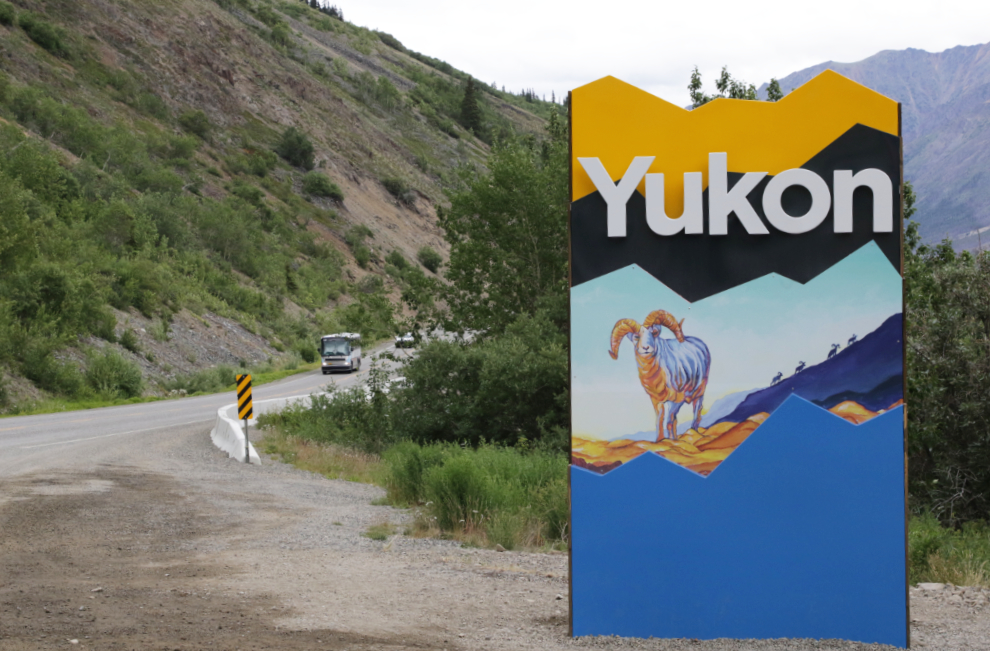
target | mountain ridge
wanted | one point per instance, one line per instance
(946, 130)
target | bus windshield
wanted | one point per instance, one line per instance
(336, 347)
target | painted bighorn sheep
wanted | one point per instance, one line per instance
(799, 368)
(852, 340)
(777, 378)
(672, 371)
(835, 350)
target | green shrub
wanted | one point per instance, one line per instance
(513, 497)
(280, 35)
(347, 417)
(399, 189)
(151, 104)
(317, 183)
(43, 33)
(295, 148)
(250, 193)
(40, 366)
(380, 531)
(391, 41)
(355, 235)
(397, 259)
(370, 284)
(938, 554)
(306, 351)
(208, 380)
(255, 161)
(406, 463)
(458, 392)
(129, 341)
(362, 255)
(267, 15)
(196, 123)
(110, 374)
(429, 258)
(7, 13)
(160, 329)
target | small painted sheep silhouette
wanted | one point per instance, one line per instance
(799, 368)
(835, 350)
(672, 371)
(777, 378)
(852, 340)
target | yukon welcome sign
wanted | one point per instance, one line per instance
(737, 366)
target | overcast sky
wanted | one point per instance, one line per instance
(557, 46)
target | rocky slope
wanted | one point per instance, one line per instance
(165, 119)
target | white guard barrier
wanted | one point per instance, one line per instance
(228, 433)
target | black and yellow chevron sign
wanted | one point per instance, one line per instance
(244, 407)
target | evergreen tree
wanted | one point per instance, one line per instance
(774, 93)
(726, 86)
(470, 110)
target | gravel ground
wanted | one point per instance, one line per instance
(164, 543)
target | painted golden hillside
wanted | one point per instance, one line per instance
(700, 450)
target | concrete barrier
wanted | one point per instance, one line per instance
(228, 435)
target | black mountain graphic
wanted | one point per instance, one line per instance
(697, 266)
(869, 372)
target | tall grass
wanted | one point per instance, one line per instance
(489, 495)
(331, 461)
(942, 555)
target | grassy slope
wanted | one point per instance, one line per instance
(376, 115)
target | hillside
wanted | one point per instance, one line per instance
(946, 122)
(260, 162)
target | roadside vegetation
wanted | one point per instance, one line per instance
(475, 436)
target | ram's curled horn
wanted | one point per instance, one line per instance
(660, 317)
(622, 328)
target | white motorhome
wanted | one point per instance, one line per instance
(340, 352)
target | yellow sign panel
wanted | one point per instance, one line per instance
(244, 407)
(616, 122)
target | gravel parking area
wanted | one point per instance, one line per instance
(164, 543)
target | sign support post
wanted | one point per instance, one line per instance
(245, 410)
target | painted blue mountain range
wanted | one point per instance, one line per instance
(800, 534)
(869, 372)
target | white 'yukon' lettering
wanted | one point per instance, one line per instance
(821, 200)
(722, 201)
(883, 203)
(691, 221)
(616, 196)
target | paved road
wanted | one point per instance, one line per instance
(27, 442)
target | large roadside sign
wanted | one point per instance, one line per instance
(737, 366)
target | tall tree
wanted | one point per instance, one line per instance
(774, 93)
(470, 110)
(507, 229)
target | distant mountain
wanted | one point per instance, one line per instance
(867, 372)
(945, 99)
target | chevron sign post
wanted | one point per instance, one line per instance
(245, 409)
